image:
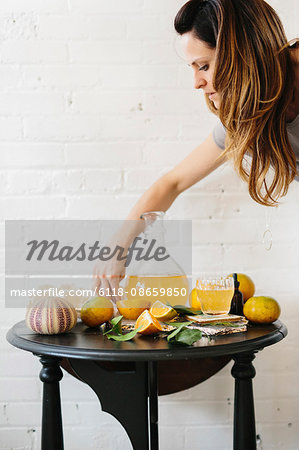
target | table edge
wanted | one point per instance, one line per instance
(176, 353)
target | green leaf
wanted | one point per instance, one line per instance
(188, 336)
(183, 310)
(175, 332)
(124, 337)
(116, 326)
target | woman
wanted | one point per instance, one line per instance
(248, 72)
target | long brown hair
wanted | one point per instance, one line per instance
(254, 77)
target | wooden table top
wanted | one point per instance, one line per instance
(89, 343)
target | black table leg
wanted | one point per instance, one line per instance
(153, 404)
(50, 375)
(123, 393)
(244, 420)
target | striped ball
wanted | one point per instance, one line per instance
(51, 316)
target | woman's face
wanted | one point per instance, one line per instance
(202, 60)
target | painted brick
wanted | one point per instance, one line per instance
(91, 102)
(171, 438)
(70, 182)
(20, 363)
(112, 51)
(134, 76)
(277, 436)
(78, 26)
(18, 438)
(169, 7)
(218, 388)
(228, 231)
(46, 6)
(194, 412)
(11, 76)
(22, 103)
(70, 385)
(30, 414)
(248, 255)
(104, 155)
(208, 257)
(149, 27)
(201, 438)
(164, 127)
(99, 181)
(274, 387)
(42, 154)
(102, 6)
(277, 410)
(100, 207)
(139, 180)
(34, 207)
(165, 55)
(29, 182)
(164, 102)
(190, 206)
(10, 128)
(63, 127)
(20, 389)
(19, 26)
(166, 154)
(127, 127)
(59, 77)
(13, 51)
(194, 128)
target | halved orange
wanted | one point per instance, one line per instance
(148, 323)
(194, 300)
(162, 312)
(132, 308)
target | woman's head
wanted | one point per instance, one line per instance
(197, 22)
(249, 69)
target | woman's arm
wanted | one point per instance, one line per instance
(197, 165)
(159, 197)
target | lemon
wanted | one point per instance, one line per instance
(162, 312)
(96, 311)
(261, 309)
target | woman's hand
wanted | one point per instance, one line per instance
(107, 276)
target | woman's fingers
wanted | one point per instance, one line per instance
(115, 288)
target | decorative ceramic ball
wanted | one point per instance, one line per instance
(51, 316)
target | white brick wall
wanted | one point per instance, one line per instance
(95, 104)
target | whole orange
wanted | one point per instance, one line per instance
(132, 308)
(247, 286)
(96, 311)
(261, 309)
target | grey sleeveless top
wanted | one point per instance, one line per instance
(219, 133)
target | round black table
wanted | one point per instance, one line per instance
(124, 376)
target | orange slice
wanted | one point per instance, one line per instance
(162, 312)
(148, 323)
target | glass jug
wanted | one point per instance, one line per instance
(158, 278)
